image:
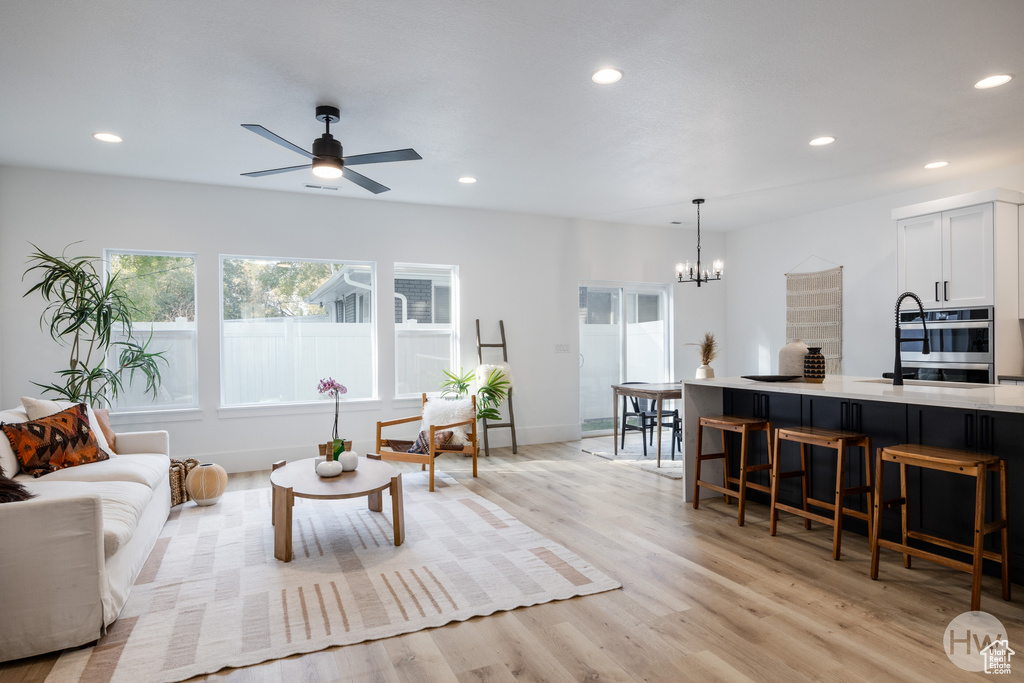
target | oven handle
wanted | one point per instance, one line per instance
(950, 366)
(950, 325)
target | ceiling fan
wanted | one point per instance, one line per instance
(328, 161)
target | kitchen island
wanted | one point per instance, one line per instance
(983, 418)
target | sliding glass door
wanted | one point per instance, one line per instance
(624, 337)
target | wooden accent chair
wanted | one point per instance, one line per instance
(388, 453)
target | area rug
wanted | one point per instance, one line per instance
(212, 595)
(633, 456)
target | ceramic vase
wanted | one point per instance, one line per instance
(206, 483)
(791, 358)
(705, 372)
(329, 468)
(814, 366)
(349, 461)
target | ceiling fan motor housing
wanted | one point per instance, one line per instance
(327, 146)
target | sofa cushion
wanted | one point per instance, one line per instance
(122, 503)
(54, 442)
(8, 461)
(103, 419)
(150, 469)
(41, 407)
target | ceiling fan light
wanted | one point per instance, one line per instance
(327, 168)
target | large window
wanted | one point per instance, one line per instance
(426, 312)
(162, 286)
(287, 323)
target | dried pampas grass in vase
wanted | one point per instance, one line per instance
(708, 350)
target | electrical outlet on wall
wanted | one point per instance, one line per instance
(561, 348)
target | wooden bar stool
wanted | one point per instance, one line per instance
(967, 463)
(839, 441)
(743, 426)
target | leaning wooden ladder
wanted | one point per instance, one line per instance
(511, 424)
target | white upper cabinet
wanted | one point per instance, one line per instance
(947, 258)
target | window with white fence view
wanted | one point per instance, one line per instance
(162, 288)
(426, 312)
(287, 323)
(623, 338)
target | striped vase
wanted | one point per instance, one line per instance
(206, 483)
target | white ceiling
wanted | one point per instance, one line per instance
(719, 98)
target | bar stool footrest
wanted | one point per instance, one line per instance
(952, 545)
(813, 516)
(750, 485)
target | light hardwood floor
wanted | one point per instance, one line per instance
(702, 599)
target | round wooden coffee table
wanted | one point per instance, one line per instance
(299, 479)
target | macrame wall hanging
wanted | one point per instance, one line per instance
(814, 313)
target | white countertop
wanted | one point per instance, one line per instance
(999, 397)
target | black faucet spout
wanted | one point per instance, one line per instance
(897, 371)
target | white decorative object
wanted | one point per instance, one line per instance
(484, 371)
(707, 372)
(329, 468)
(349, 460)
(443, 411)
(791, 358)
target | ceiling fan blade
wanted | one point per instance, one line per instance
(274, 137)
(273, 171)
(364, 182)
(381, 157)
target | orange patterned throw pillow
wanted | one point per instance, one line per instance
(55, 442)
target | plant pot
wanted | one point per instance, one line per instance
(705, 372)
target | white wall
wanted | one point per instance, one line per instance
(521, 268)
(860, 237)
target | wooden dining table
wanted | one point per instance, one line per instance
(654, 392)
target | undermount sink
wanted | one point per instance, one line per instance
(923, 383)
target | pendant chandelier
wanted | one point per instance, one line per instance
(689, 272)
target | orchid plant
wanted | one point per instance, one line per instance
(331, 387)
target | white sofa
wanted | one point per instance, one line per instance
(69, 556)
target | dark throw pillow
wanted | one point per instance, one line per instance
(422, 444)
(55, 442)
(12, 491)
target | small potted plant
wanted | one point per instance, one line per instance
(708, 350)
(333, 388)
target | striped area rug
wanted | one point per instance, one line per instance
(213, 596)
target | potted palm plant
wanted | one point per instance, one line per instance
(93, 319)
(492, 392)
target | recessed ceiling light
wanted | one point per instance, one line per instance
(826, 140)
(993, 81)
(606, 76)
(937, 164)
(467, 180)
(107, 137)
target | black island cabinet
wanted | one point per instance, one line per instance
(941, 503)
